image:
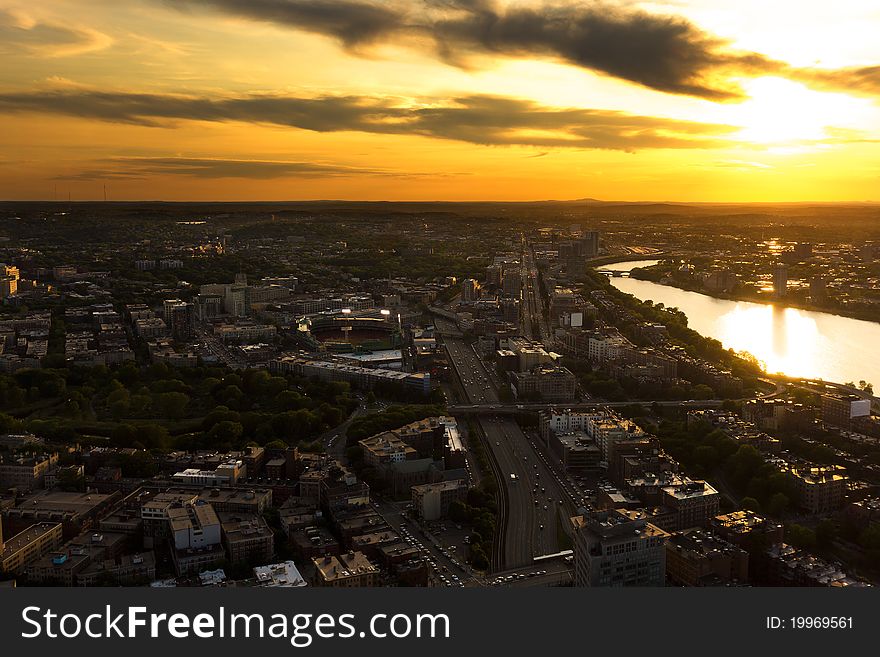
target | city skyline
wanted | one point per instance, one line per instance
(698, 100)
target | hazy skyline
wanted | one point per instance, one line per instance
(687, 100)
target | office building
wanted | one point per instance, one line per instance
(348, 570)
(283, 575)
(720, 280)
(179, 317)
(840, 410)
(693, 503)
(195, 537)
(618, 548)
(512, 281)
(820, 489)
(780, 281)
(25, 473)
(246, 538)
(699, 558)
(818, 289)
(431, 501)
(746, 528)
(364, 378)
(589, 244)
(470, 290)
(545, 383)
(28, 546)
(77, 512)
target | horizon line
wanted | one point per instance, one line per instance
(102, 201)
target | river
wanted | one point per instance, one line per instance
(790, 341)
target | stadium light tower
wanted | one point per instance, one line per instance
(346, 312)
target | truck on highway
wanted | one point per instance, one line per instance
(513, 478)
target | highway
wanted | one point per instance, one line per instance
(528, 519)
(537, 500)
(545, 573)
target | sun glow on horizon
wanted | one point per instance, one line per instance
(171, 105)
(780, 111)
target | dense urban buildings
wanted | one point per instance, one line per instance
(274, 397)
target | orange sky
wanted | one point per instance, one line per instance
(690, 100)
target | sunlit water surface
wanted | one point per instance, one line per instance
(787, 340)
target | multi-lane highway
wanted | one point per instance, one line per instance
(531, 501)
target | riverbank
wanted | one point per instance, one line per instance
(798, 343)
(619, 257)
(865, 316)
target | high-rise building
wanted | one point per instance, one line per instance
(618, 548)
(470, 290)
(590, 244)
(493, 275)
(512, 281)
(9, 277)
(780, 281)
(510, 310)
(236, 300)
(818, 290)
(720, 280)
(803, 250)
(179, 318)
(8, 286)
(10, 270)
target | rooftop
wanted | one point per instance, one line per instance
(351, 564)
(283, 574)
(26, 537)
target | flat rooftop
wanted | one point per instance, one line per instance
(26, 537)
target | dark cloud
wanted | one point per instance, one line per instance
(353, 22)
(126, 168)
(864, 80)
(483, 120)
(665, 53)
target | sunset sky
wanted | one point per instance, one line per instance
(689, 100)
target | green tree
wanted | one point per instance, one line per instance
(123, 435)
(826, 534)
(778, 504)
(224, 435)
(800, 536)
(152, 436)
(172, 404)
